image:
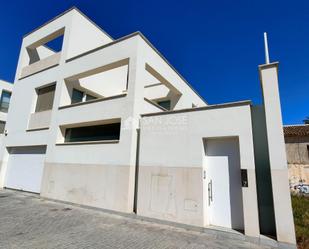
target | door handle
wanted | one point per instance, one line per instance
(210, 192)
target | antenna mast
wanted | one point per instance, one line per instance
(266, 48)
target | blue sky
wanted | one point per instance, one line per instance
(216, 45)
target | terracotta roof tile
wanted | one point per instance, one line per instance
(296, 130)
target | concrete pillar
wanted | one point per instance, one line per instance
(277, 158)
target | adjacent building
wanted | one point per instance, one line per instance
(6, 92)
(297, 151)
(111, 124)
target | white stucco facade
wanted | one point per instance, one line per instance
(158, 165)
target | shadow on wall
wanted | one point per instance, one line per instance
(263, 176)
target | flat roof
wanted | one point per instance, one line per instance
(203, 108)
(63, 13)
(137, 33)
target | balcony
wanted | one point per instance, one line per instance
(39, 120)
(46, 63)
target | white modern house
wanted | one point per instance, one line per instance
(5, 93)
(111, 124)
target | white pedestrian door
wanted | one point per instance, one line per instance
(217, 177)
(25, 168)
(222, 183)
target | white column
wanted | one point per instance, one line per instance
(277, 155)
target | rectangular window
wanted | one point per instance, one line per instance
(45, 98)
(166, 104)
(90, 97)
(80, 96)
(5, 101)
(77, 96)
(93, 133)
(2, 126)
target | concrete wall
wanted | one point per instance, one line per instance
(277, 157)
(297, 150)
(84, 35)
(170, 185)
(298, 160)
(97, 185)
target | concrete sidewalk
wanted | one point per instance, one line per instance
(27, 221)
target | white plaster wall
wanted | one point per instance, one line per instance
(31, 39)
(149, 108)
(80, 35)
(110, 159)
(22, 105)
(156, 92)
(277, 155)
(275, 136)
(183, 134)
(150, 79)
(84, 36)
(44, 52)
(108, 83)
(152, 58)
(61, 159)
(172, 146)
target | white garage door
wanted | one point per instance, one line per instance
(25, 168)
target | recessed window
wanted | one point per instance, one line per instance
(55, 44)
(2, 126)
(46, 47)
(77, 96)
(80, 96)
(45, 98)
(166, 104)
(90, 97)
(5, 101)
(93, 133)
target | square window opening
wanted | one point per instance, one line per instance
(45, 98)
(46, 47)
(166, 104)
(103, 132)
(2, 127)
(5, 101)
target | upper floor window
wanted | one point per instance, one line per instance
(46, 47)
(166, 104)
(80, 96)
(45, 98)
(100, 83)
(93, 133)
(2, 126)
(5, 101)
(77, 96)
